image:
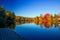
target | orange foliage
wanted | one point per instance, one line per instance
(41, 20)
(46, 25)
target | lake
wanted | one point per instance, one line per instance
(31, 31)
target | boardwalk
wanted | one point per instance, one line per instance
(7, 34)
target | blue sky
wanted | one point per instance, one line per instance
(31, 8)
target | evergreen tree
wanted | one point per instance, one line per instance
(2, 17)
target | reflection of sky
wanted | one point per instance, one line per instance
(36, 32)
(32, 8)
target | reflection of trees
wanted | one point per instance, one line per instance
(12, 26)
(22, 20)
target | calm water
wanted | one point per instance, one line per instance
(37, 32)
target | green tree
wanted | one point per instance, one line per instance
(12, 26)
(10, 19)
(37, 20)
(2, 17)
(7, 18)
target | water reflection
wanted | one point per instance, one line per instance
(34, 31)
(46, 25)
(9, 20)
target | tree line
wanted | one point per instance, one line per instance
(7, 18)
